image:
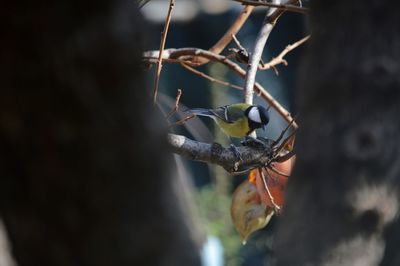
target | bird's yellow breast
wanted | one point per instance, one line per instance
(238, 129)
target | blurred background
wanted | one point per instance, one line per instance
(200, 23)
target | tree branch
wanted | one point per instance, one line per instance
(227, 37)
(254, 61)
(285, 7)
(252, 157)
(255, 56)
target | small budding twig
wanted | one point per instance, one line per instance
(176, 106)
(280, 58)
(162, 45)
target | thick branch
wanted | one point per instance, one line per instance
(255, 56)
(216, 154)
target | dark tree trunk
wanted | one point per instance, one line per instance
(85, 178)
(343, 197)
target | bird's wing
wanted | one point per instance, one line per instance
(222, 113)
(227, 115)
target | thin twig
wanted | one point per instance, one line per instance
(182, 121)
(276, 207)
(204, 75)
(284, 158)
(285, 7)
(176, 106)
(280, 58)
(285, 142)
(162, 45)
(237, 42)
(174, 55)
(285, 130)
(276, 171)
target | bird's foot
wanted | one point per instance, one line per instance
(236, 152)
(255, 143)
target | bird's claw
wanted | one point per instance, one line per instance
(253, 142)
(236, 152)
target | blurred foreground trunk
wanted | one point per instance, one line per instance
(85, 178)
(343, 197)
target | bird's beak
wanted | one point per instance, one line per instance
(263, 127)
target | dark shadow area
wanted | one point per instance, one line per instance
(85, 176)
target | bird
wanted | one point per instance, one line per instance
(236, 120)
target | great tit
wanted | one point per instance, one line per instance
(236, 120)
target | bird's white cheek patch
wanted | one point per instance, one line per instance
(254, 115)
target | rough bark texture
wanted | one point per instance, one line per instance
(343, 196)
(84, 171)
(251, 156)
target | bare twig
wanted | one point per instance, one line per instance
(285, 7)
(237, 42)
(182, 121)
(276, 171)
(285, 130)
(204, 75)
(176, 106)
(175, 55)
(276, 207)
(162, 45)
(280, 58)
(285, 142)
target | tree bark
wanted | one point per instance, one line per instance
(79, 185)
(343, 196)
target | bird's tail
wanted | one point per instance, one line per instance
(201, 112)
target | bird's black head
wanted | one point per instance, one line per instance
(258, 116)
